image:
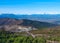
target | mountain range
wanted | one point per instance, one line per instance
(35, 21)
(24, 22)
(38, 17)
(50, 18)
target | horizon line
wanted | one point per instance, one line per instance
(29, 14)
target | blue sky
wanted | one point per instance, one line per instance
(30, 6)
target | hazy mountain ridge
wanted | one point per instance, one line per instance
(24, 22)
(38, 17)
(50, 18)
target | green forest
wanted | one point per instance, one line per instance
(7, 37)
(10, 37)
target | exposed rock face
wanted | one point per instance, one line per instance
(16, 28)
